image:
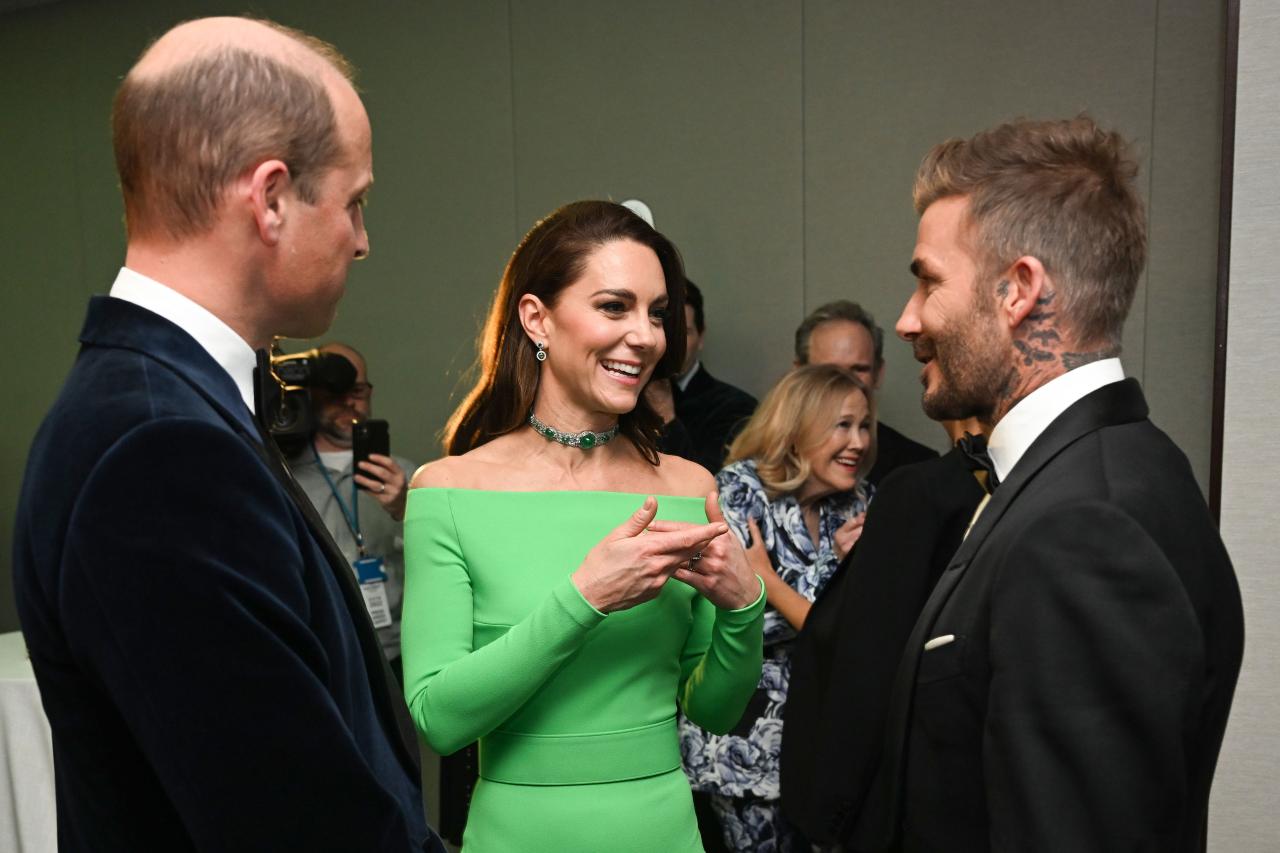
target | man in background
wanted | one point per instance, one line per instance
(845, 334)
(362, 510)
(210, 676)
(711, 410)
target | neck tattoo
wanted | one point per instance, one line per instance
(584, 440)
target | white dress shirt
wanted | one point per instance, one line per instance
(684, 380)
(1023, 424)
(218, 339)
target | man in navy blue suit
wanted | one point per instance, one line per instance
(207, 666)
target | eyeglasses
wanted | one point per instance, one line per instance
(360, 391)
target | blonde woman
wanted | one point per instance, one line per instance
(793, 490)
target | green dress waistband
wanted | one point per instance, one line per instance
(580, 759)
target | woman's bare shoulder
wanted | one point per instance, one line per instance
(682, 477)
(481, 468)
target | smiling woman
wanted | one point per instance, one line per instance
(538, 619)
(793, 490)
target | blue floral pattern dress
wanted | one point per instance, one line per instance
(743, 764)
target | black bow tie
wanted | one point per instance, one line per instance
(974, 447)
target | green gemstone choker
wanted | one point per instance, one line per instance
(584, 440)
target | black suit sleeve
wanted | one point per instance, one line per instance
(844, 662)
(1092, 643)
(186, 594)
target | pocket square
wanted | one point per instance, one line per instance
(939, 641)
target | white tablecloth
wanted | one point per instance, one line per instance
(28, 815)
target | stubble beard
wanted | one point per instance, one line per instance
(973, 369)
(330, 426)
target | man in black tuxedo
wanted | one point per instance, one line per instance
(845, 334)
(204, 657)
(713, 412)
(1069, 679)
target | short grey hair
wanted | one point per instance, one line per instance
(841, 309)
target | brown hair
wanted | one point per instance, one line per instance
(795, 416)
(551, 257)
(182, 136)
(1061, 191)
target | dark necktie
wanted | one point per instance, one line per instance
(974, 447)
(381, 679)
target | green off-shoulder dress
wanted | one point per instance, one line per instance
(575, 710)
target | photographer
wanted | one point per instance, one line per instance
(365, 505)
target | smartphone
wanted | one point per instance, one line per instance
(368, 437)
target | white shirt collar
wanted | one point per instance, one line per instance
(1023, 424)
(217, 338)
(683, 381)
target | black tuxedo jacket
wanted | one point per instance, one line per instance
(844, 661)
(1084, 647)
(210, 681)
(713, 412)
(893, 450)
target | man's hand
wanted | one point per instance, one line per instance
(383, 479)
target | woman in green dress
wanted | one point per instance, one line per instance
(567, 585)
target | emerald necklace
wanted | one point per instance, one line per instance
(584, 440)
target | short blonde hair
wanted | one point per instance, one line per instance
(794, 416)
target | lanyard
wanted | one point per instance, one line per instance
(351, 515)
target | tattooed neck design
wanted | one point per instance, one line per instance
(1040, 353)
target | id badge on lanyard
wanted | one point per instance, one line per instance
(373, 585)
(369, 570)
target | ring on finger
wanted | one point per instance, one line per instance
(695, 558)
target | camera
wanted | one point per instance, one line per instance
(290, 410)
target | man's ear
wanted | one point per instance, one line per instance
(268, 192)
(1021, 291)
(535, 318)
(877, 376)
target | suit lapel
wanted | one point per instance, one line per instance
(121, 324)
(1117, 403)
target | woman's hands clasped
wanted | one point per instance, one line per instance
(631, 564)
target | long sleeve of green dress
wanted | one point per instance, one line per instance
(492, 617)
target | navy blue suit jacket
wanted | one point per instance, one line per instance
(206, 679)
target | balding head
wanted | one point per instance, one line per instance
(351, 354)
(210, 100)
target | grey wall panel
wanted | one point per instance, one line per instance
(436, 80)
(1182, 270)
(885, 82)
(694, 108)
(41, 274)
(1243, 815)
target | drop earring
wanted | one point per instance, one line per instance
(542, 351)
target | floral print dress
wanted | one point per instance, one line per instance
(744, 763)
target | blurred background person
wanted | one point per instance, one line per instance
(713, 412)
(845, 334)
(365, 522)
(794, 491)
(570, 678)
(844, 661)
